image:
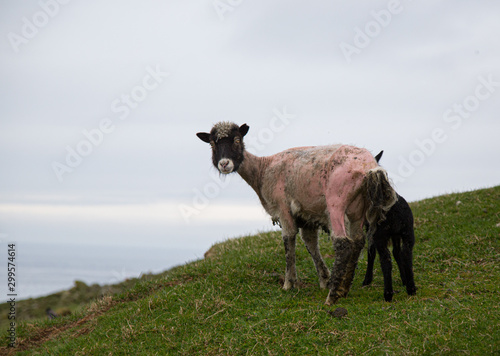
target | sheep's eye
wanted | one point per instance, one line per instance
(237, 140)
(212, 144)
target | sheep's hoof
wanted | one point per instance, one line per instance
(323, 284)
(288, 285)
(343, 293)
(331, 300)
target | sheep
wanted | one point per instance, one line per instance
(398, 226)
(308, 188)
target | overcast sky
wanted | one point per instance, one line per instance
(100, 103)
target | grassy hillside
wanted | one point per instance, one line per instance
(232, 303)
(68, 301)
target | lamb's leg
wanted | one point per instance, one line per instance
(386, 265)
(369, 269)
(358, 241)
(407, 258)
(396, 252)
(310, 237)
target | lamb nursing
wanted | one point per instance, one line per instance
(307, 188)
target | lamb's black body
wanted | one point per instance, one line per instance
(398, 227)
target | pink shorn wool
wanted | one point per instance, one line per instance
(309, 188)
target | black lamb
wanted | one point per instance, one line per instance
(398, 226)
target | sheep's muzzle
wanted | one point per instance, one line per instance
(225, 166)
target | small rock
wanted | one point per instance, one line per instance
(338, 313)
(458, 203)
(497, 225)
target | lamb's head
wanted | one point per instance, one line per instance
(226, 139)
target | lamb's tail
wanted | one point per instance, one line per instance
(380, 197)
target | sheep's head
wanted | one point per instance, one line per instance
(226, 139)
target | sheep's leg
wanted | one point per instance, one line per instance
(352, 263)
(289, 233)
(386, 265)
(343, 247)
(369, 269)
(310, 237)
(290, 272)
(347, 249)
(358, 238)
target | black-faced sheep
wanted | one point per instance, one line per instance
(310, 187)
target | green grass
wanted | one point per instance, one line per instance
(233, 304)
(66, 302)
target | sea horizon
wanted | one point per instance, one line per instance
(46, 268)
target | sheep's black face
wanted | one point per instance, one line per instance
(226, 139)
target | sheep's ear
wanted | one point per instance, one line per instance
(244, 129)
(204, 136)
(379, 156)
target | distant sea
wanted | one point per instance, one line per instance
(43, 269)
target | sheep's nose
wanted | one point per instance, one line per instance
(225, 166)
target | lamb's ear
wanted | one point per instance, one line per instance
(204, 136)
(244, 129)
(379, 156)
